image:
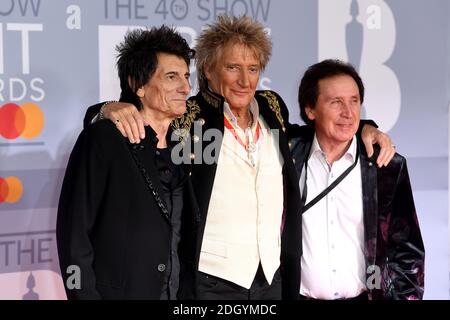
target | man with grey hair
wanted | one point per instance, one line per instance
(248, 241)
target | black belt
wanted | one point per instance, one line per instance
(362, 296)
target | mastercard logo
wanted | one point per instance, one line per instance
(24, 121)
(11, 189)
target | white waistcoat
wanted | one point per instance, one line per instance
(245, 212)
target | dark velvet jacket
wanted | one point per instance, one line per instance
(110, 222)
(205, 111)
(393, 240)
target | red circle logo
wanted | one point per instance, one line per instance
(26, 121)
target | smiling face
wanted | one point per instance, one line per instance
(166, 92)
(337, 111)
(235, 75)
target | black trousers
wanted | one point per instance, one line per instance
(214, 288)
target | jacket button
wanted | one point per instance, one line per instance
(370, 164)
(201, 121)
(161, 267)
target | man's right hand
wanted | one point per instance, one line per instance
(127, 119)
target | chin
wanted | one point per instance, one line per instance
(345, 137)
(239, 104)
(181, 111)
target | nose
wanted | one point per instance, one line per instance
(346, 109)
(244, 79)
(185, 86)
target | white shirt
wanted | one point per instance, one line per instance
(248, 134)
(333, 264)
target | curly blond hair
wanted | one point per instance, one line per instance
(229, 30)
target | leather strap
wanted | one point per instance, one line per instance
(149, 182)
(330, 187)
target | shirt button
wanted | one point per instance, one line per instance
(332, 246)
(331, 222)
(158, 153)
(336, 294)
(161, 267)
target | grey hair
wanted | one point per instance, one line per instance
(228, 30)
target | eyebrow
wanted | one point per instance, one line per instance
(231, 63)
(341, 97)
(177, 73)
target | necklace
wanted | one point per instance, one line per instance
(250, 144)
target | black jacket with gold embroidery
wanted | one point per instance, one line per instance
(204, 112)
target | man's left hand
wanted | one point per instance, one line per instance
(371, 135)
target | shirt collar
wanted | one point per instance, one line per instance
(254, 110)
(150, 137)
(350, 154)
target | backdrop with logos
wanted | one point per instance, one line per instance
(57, 58)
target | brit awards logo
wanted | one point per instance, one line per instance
(20, 89)
(363, 33)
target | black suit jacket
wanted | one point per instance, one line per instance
(393, 241)
(109, 221)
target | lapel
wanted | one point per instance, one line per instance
(370, 203)
(144, 156)
(203, 173)
(270, 110)
(300, 146)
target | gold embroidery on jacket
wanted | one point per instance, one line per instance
(211, 99)
(274, 106)
(182, 125)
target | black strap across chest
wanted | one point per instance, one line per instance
(329, 188)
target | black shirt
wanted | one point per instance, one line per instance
(172, 178)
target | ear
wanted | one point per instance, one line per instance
(310, 113)
(140, 92)
(208, 69)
